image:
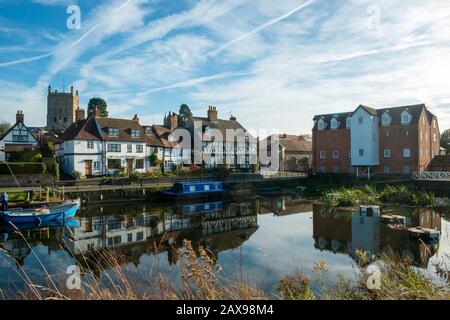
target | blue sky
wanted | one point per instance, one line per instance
(272, 64)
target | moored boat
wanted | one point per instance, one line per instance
(39, 215)
(194, 189)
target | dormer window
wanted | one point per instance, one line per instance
(149, 130)
(406, 117)
(113, 132)
(321, 125)
(334, 124)
(135, 133)
(348, 122)
(385, 119)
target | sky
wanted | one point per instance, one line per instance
(271, 64)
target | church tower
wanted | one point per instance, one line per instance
(61, 109)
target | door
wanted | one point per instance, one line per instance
(129, 166)
(88, 167)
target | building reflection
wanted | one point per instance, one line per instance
(347, 232)
(284, 205)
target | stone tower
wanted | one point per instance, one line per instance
(61, 109)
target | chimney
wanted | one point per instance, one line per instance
(49, 89)
(233, 118)
(80, 114)
(96, 113)
(171, 121)
(19, 116)
(136, 118)
(212, 114)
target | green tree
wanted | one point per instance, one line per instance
(445, 140)
(154, 160)
(184, 114)
(100, 104)
(48, 150)
(4, 126)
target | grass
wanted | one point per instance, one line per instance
(200, 279)
(369, 195)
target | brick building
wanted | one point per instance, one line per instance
(397, 140)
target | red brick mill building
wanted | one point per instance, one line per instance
(398, 140)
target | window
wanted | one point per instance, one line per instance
(135, 133)
(322, 169)
(434, 137)
(113, 132)
(129, 237)
(387, 153)
(406, 117)
(139, 164)
(406, 170)
(20, 138)
(348, 123)
(140, 236)
(129, 148)
(387, 169)
(191, 188)
(114, 240)
(421, 135)
(149, 130)
(434, 123)
(96, 166)
(113, 147)
(207, 187)
(322, 154)
(335, 169)
(426, 136)
(114, 164)
(335, 154)
(406, 153)
(90, 144)
(321, 125)
(334, 124)
(361, 152)
(139, 148)
(361, 120)
(385, 119)
(65, 119)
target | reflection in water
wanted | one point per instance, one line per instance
(295, 236)
(366, 231)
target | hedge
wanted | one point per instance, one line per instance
(22, 168)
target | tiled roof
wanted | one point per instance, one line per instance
(395, 113)
(292, 143)
(97, 129)
(440, 161)
(221, 125)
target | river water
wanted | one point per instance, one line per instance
(257, 239)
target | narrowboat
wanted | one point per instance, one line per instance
(201, 208)
(194, 190)
(39, 215)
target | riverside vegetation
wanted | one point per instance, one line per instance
(200, 279)
(369, 195)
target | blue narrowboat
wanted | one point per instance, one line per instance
(40, 215)
(200, 208)
(194, 189)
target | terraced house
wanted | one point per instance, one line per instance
(397, 140)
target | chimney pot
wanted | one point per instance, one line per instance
(19, 116)
(212, 114)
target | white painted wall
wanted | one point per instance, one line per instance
(365, 136)
(9, 139)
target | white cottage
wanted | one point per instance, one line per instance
(99, 146)
(17, 139)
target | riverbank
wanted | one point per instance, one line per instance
(200, 279)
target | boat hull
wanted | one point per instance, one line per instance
(61, 212)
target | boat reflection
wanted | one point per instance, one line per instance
(342, 232)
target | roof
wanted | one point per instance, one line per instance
(292, 143)
(12, 127)
(394, 112)
(220, 124)
(97, 129)
(440, 161)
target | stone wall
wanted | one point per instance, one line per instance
(26, 180)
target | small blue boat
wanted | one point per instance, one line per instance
(40, 215)
(8, 228)
(194, 189)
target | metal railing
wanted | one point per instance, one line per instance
(431, 176)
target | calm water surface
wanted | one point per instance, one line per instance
(259, 239)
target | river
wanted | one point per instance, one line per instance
(257, 239)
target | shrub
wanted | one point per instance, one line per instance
(22, 168)
(135, 176)
(397, 194)
(53, 169)
(77, 175)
